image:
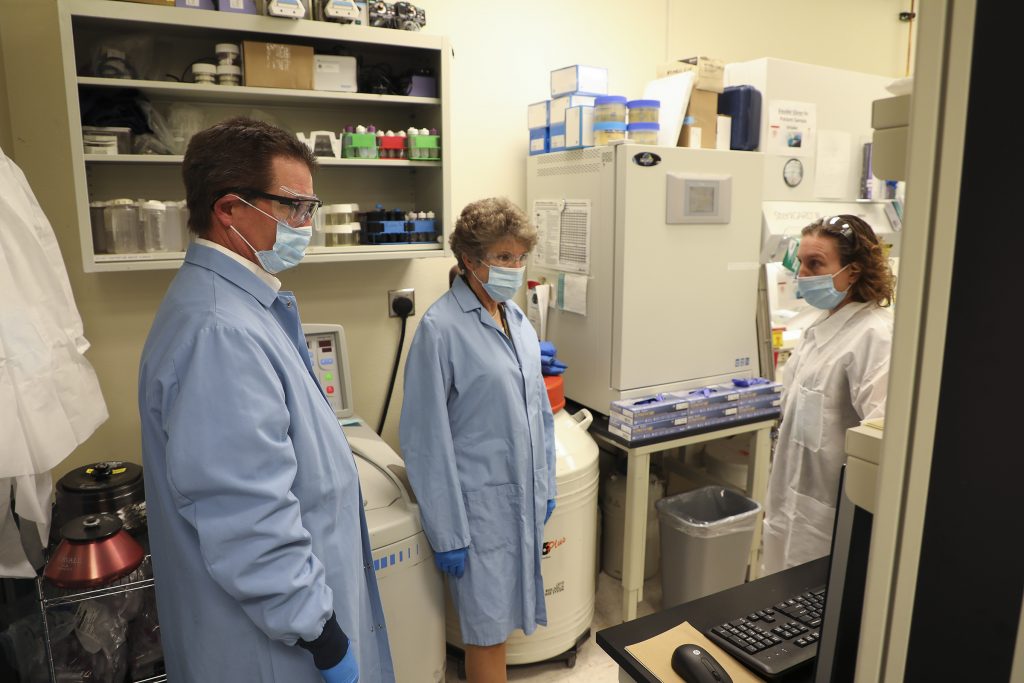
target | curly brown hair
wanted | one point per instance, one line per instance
(484, 222)
(858, 245)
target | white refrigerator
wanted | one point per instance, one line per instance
(653, 257)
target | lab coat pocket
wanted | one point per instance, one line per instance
(494, 516)
(808, 418)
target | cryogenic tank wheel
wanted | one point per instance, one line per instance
(570, 662)
(460, 669)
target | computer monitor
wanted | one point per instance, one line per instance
(844, 601)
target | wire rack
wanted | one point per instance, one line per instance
(51, 596)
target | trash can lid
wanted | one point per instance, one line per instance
(556, 392)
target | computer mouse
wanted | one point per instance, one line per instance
(696, 665)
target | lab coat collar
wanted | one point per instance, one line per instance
(468, 301)
(827, 326)
(214, 260)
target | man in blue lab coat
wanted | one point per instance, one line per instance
(259, 542)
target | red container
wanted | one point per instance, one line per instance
(94, 552)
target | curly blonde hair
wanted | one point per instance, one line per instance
(484, 222)
(858, 244)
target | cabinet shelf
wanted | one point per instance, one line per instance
(244, 94)
(185, 35)
(321, 161)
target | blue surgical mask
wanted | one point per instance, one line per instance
(502, 283)
(289, 245)
(820, 291)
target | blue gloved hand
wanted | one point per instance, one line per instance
(345, 671)
(551, 508)
(547, 349)
(551, 366)
(451, 562)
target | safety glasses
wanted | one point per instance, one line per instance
(507, 259)
(301, 209)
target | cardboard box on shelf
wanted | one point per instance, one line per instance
(276, 65)
(703, 107)
(166, 3)
(710, 72)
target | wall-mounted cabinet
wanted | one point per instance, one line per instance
(163, 42)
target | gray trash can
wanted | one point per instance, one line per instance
(705, 542)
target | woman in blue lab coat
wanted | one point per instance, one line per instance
(477, 436)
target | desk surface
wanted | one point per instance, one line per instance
(711, 611)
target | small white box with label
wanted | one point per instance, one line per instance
(334, 73)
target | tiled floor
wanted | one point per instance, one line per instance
(592, 664)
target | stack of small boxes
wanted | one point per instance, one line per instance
(566, 120)
(702, 126)
(686, 411)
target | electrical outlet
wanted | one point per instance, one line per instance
(394, 294)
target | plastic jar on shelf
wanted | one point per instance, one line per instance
(227, 53)
(340, 235)
(643, 133)
(152, 220)
(643, 111)
(610, 108)
(606, 132)
(204, 74)
(229, 74)
(122, 225)
(100, 235)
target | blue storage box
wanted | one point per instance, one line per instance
(195, 4)
(697, 401)
(690, 423)
(579, 79)
(743, 104)
(764, 404)
(238, 6)
(540, 141)
(557, 143)
(538, 114)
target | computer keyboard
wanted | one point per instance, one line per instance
(776, 639)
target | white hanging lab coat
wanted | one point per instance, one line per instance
(50, 399)
(836, 378)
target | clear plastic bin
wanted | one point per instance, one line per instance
(122, 225)
(643, 133)
(610, 108)
(705, 542)
(152, 221)
(607, 132)
(643, 111)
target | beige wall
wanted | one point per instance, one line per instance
(5, 117)
(503, 52)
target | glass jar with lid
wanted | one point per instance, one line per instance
(122, 225)
(606, 132)
(643, 133)
(643, 111)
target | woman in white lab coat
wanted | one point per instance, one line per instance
(836, 378)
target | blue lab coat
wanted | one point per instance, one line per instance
(477, 436)
(255, 518)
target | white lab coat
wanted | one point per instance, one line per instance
(50, 399)
(836, 378)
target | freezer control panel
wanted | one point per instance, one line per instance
(329, 357)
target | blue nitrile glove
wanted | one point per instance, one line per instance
(749, 381)
(331, 642)
(451, 562)
(551, 508)
(551, 366)
(547, 349)
(345, 671)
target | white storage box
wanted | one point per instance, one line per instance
(579, 127)
(337, 74)
(579, 79)
(538, 114)
(559, 105)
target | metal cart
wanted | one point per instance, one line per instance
(51, 597)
